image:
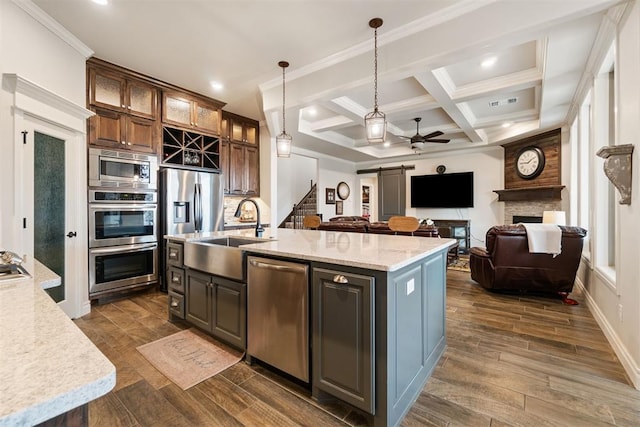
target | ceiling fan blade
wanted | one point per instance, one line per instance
(443, 141)
(433, 134)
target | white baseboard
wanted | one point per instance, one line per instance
(629, 365)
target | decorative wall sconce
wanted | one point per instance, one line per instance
(617, 167)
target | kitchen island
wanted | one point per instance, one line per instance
(377, 312)
(49, 368)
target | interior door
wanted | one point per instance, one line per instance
(391, 193)
(54, 197)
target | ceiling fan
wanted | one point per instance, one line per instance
(418, 141)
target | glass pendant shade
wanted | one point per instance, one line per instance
(375, 122)
(376, 127)
(283, 141)
(283, 145)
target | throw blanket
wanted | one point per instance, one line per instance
(544, 238)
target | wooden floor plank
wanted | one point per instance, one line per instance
(148, 406)
(511, 360)
(283, 401)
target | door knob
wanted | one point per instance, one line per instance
(71, 234)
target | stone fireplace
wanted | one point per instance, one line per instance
(533, 208)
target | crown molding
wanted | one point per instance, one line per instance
(16, 84)
(54, 26)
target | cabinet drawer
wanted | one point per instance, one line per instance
(175, 252)
(176, 304)
(175, 279)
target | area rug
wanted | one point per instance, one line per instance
(460, 264)
(187, 358)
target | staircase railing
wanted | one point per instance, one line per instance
(308, 205)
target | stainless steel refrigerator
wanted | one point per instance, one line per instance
(190, 202)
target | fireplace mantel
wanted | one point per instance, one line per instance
(550, 192)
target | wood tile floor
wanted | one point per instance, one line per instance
(511, 361)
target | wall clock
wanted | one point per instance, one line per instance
(529, 162)
(343, 190)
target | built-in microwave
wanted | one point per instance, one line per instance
(122, 169)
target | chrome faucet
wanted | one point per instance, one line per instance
(259, 229)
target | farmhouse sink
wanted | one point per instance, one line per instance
(221, 256)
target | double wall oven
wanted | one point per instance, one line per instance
(123, 218)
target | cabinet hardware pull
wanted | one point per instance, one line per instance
(71, 234)
(128, 143)
(175, 279)
(124, 106)
(339, 278)
(174, 304)
(123, 142)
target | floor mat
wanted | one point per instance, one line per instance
(187, 358)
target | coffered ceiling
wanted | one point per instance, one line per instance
(430, 63)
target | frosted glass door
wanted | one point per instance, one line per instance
(49, 207)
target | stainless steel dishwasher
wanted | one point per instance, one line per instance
(278, 314)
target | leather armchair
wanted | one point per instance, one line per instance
(507, 264)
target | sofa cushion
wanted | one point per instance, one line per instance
(348, 219)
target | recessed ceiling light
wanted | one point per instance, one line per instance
(217, 86)
(312, 111)
(489, 62)
(506, 124)
(386, 144)
(101, 2)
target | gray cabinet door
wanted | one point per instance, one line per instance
(343, 336)
(198, 299)
(229, 317)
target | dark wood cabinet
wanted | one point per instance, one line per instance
(225, 167)
(218, 306)
(244, 131)
(112, 129)
(189, 148)
(125, 107)
(241, 157)
(118, 92)
(191, 112)
(343, 336)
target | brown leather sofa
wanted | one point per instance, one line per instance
(507, 264)
(352, 224)
(359, 224)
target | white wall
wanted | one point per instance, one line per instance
(604, 298)
(331, 172)
(488, 168)
(295, 175)
(30, 50)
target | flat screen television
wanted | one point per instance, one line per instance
(450, 190)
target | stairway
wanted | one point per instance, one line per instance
(308, 205)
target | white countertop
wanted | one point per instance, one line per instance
(47, 365)
(365, 250)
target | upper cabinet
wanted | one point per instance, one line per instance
(244, 130)
(119, 93)
(240, 155)
(188, 111)
(126, 108)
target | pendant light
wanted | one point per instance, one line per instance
(375, 123)
(283, 141)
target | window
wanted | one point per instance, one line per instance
(604, 203)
